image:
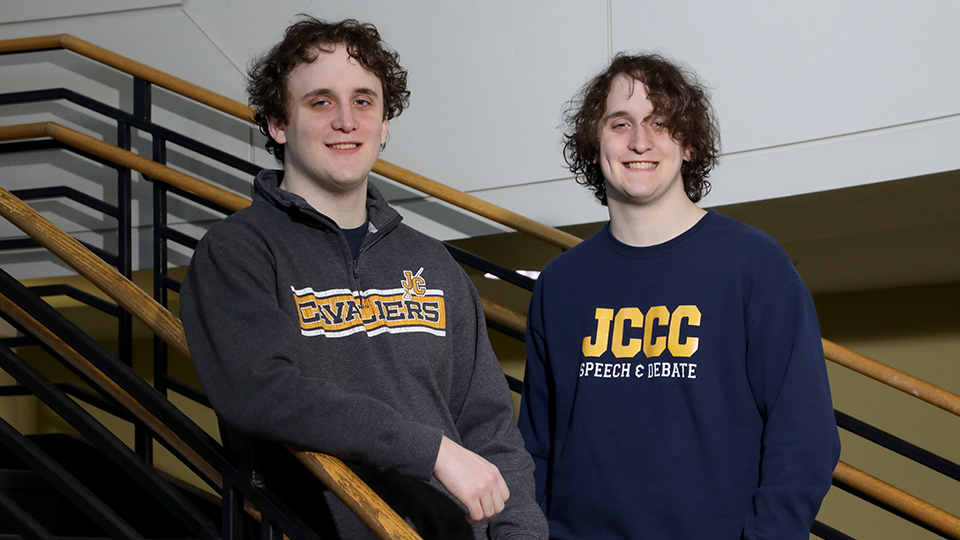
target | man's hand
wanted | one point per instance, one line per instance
(473, 480)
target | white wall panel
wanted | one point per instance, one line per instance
(786, 72)
(33, 10)
(162, 38)
(243, 29)
(805, 80)
(555, 203)
(488, 82)
(809, 95)
(851, 160)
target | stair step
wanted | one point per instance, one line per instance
(103, 477)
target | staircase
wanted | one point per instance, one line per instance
(62, 486)
(90, 468)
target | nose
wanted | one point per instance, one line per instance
(344, 119)
(640, 140)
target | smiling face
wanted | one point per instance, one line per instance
(639, 157)
(335, 125)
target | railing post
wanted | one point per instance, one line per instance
(124, 226)
(160, 351)
(231, 510)
(142, 106)
(142, 99)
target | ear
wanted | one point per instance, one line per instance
(687, 154)
(383, 132)
(277, 130)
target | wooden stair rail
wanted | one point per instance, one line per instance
(478, 206)
(906, 503)
(389, 526)
(235, 108)
(183, 181)
(126, 158)
(504, 316)
(172, 177)
(359, 498)
(892, 377)
(68, 353)
(131, 67)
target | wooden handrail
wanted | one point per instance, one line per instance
(187, 183)
(126, 158)
(893, 377)
(98, 272)
(132, 67)
(162, 323)
(906, 503)
(235, 108)
(478, 206)
(504, 316)
(359, 498)
(68, 353)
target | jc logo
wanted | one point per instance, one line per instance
(413, 284)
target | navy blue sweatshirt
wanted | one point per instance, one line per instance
(677, 391)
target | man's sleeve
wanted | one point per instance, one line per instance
(800, 446)
(485, 421)
(243, 347)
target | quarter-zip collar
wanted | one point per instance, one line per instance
(380, 215)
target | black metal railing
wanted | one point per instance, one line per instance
(236, 483)
(903, 448)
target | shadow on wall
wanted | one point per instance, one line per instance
(890, 314)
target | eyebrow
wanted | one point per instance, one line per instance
(326, 91)
(625, 114)
(615, 114)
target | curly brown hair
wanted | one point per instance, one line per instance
(301, 44)
(676, 96)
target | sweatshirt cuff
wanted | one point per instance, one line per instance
(418, 453)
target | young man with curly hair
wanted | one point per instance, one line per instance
(675, 384)
(315, 318)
